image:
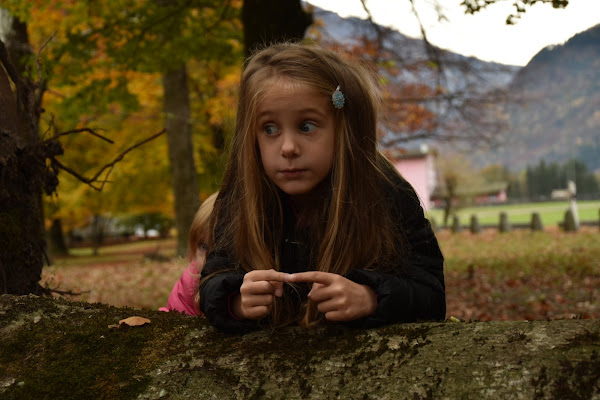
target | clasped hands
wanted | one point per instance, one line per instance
(339, 298)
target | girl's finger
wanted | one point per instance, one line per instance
(257, 300)
(257, 312)
(256, 288)
(267, 275)
(329, 305)
(318, 292)
(325, 278)
(335, 316)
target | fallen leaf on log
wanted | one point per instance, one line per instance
(132, 321)
(135, 321)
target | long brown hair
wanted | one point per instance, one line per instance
(356, 228)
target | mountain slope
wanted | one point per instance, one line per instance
(432, 94)
(558, 117)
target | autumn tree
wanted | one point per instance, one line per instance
(100, 48)
(455, 176)
(29, 166)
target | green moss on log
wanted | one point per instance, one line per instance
(58, 349)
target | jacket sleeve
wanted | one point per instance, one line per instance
(220, 282)
(183, 293)
(417, 291)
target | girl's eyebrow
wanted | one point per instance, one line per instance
(307, 110)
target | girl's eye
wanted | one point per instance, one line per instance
(307, 127)
(270, 130)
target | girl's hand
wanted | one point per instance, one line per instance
(339, 298)
(256, 293)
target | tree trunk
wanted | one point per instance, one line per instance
(181, 153)
(22, 242)
(56, 239)
(23, 173)
(55, 349)
(450, 183)
(268, 21)
(98, 232)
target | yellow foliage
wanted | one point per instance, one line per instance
(141, 181)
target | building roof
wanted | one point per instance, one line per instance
(402, 153)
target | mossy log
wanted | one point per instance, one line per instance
(57, 349)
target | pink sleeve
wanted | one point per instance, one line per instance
(182, 296)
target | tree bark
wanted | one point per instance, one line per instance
(58, 349)
(23, 173)
(181, 152)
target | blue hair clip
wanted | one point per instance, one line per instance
(338, 98)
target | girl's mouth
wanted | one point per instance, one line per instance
(292, 172)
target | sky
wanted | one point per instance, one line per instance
(485, 34)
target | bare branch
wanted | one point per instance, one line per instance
(370, 18)
(109, 166)
(88, 130)
(37, 57)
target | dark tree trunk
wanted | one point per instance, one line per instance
(23, 176)
(181, 153)
(451, 183)
(268, 21)
(98, 232)
(56, 239)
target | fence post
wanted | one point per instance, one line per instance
(570, 225)
(475, 226)
(504, 223)
(536, 222)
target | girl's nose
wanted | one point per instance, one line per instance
(289, 146)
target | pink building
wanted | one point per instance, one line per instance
(418, 168)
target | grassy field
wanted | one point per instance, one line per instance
(489, 276)
(551, 213)
(522, 274)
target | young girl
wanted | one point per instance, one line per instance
(184, 296)
(312, 223)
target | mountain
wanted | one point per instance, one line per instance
(432, 95)
(332, 28)
(558, 115)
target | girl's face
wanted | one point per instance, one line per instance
(296, 136)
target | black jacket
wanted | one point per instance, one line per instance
(415, 293)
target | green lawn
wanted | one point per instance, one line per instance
(551, 213)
